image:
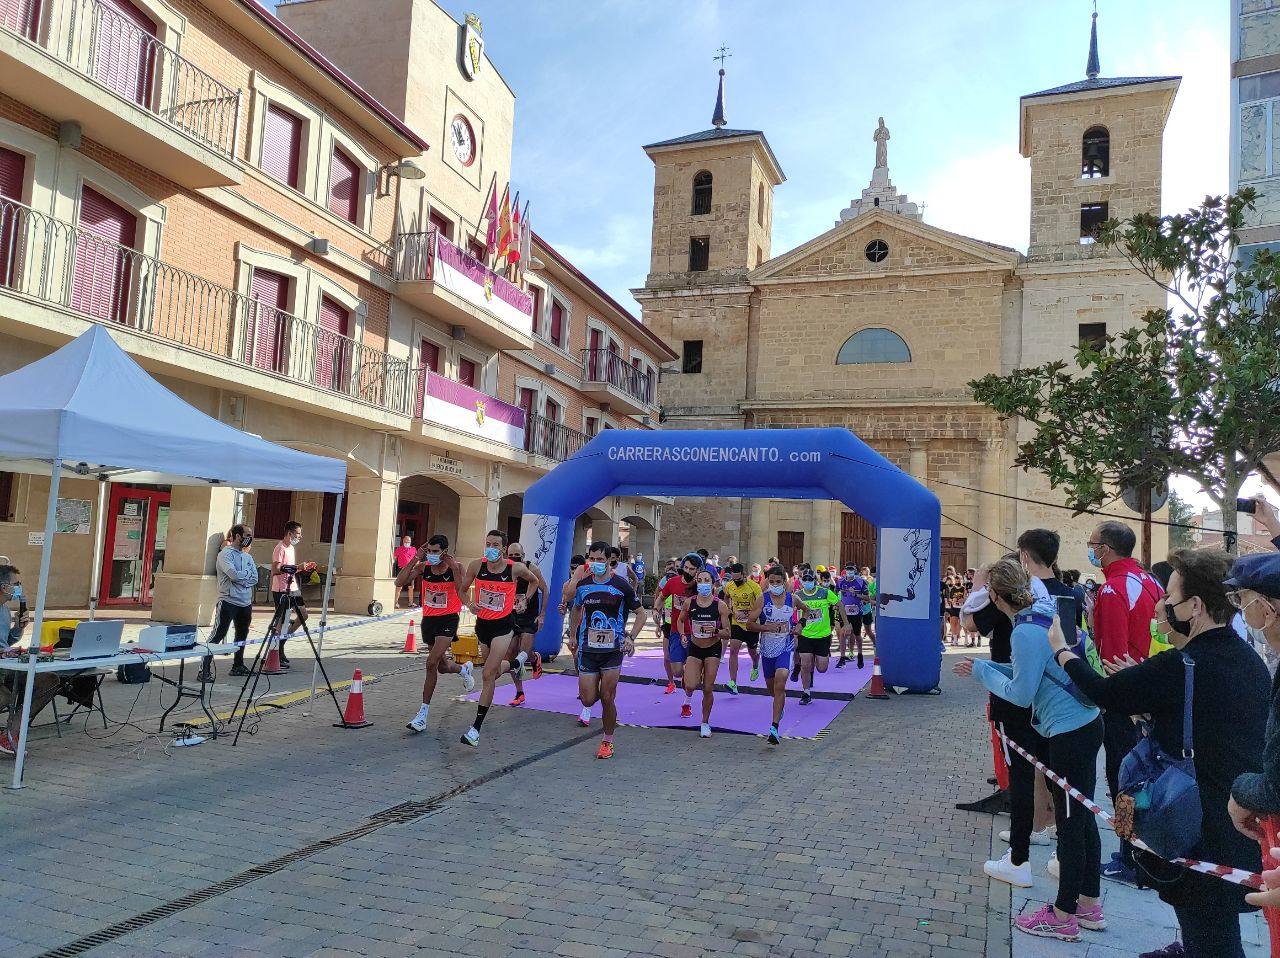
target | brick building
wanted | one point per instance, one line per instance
(278, 216)
(878, 324)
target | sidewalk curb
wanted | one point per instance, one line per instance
(999, 902)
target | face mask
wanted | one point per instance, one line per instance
(245, 540)
(1181, 626)
(778, 589)
(687, 576)
(1256, 636)
(704, 588)
(809, 585)
(492, 554)
(738, 580)
(433, 558)
(597, 568)
(1093, 558)
(295, 539)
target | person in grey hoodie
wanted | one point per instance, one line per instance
(237, 578)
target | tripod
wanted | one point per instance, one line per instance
(289, 603)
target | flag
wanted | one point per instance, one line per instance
(491, 214)
(526, 238)
(513, 251)
(504, 227)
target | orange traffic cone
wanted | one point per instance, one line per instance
(877, 690)
(353, 716)
(410, 641)
(271, 665)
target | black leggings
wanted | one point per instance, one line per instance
(229, 615)
(1022, 784)
(1074, 756)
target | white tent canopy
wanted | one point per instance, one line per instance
(91, 406)
(89, 410)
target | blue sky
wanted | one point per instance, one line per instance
(595, 81)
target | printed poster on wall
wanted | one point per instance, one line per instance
(128, 542)
(907, 582)
(73, 516)
(538, 536)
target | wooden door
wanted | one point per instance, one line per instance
(857, 540)
(790, 549)
(955, 552)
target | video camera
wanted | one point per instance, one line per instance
(289, 569)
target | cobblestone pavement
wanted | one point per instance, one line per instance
(284, 845)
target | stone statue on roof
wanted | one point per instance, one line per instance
(881, 136)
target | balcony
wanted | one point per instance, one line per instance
(461, 417)
(611, 381)
(83, 60)
(552, 440)
(447, 283)
(50, 263)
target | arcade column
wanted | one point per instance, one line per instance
(476, 516)
(187, 589)
(364, 559)
(759, 546)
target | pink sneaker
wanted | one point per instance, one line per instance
(8, 746)
(1046, 924)
(1091, 918)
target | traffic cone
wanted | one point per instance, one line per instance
(353, 715)
(877, 681)
(271, 665)
(410, 641)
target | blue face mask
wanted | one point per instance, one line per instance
(704, 588)
(808, 585)
(1093, 558)
(778, 589)
(492, 554)
(433, 558)
(598, 568)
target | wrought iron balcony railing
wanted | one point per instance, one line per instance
(606, 366)
(544, 437)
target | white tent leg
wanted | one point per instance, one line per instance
(46, 554)
(324, 602)
(98, 533)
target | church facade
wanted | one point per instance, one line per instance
(878, 324)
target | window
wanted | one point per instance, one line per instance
(527, 398)
(873, 346)
(8, 496)
(701, 193)
(282, 145)
(535, 293)
(592, 426)
(699, 253)
(267, 335)
(1095, 159)
(877, 251)
(1258, 126)
(429, 360)
(441, 224)
(557, 334)
(333, 346)
(760, 205)
(327, 508)
(759, 256)
(552, 410)
(21, 17)
(691, 356)
(467, 372)
(13, 169)
(1092, 216)
(124, 55)
(344, 186)
(1093, 335)
(272, 512)
(477, 249)
(102, 278)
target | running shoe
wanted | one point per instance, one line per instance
(1046, 924)
(418, 723)
(1117, 871)
(755, 672)
(686, 710)
(238, 668)
(518, 701)
(1171, 950)
(468, 677)
(284, 661)
(1091, 918)
(705, 731)
(471, 737)
(806, 697)
(537, 665)
(841, 662)
(605, 750)
(1046, 836)
(584, 718)
(671, 687)
(862, 664)
(795, 672)
(774, 737)
(733, 688)
(1003, 869)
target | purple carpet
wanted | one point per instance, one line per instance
(647, 706)
(845, 683)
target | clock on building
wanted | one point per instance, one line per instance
(463, 139)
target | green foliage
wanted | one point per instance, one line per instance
(1193, 390)
(1180, 514)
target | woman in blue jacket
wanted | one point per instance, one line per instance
(1070, 735)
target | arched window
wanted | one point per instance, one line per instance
(760, 204)
(873, 346)
(701, 193)
(1095, 160)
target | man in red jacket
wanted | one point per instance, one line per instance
(1122, 615)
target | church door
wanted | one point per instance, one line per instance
(857, 540)
(955, 552)
(790, 549)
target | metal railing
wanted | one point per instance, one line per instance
(98, 41)
(544, 437)
(606, 366)
(72, 268)
(416, 255)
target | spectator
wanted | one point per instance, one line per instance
(1123, 610)
(283, 586)
(13, 617)
(403, 555)
(757, 574)
(1228, 718)
(1071, 734)
(237, 578)
(1266, 516)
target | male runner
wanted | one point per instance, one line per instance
(774, 619)
(440, 574)
(598, 639)
(494, 577)
(869, 609)
(854, 597)
(706, 624)
(822, 609)
(677, 589)
(527, 623)
(743, 596)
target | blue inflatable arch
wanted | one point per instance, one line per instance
(760, 464)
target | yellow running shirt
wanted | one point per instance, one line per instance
(742, 599)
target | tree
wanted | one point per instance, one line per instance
(1193, 390)
(1180, 515)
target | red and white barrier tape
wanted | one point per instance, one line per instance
(1237, 876)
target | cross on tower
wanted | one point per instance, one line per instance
(723, 53)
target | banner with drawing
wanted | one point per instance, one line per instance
(538, 536)
(907, 584)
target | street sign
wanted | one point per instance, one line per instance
(1131, 496)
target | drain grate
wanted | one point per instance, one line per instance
(400, 814)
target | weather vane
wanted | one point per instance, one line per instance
(723, 53)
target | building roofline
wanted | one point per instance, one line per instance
(639, 327)
(714, 137)
(327, 66)
(1087, 89)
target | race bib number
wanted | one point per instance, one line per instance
(434, 599)
(814, 615)
(742, 615)
(601, 638)
(853, 610)
(704, 630)
(491, 601)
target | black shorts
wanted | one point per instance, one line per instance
(855, 623)
(953, 611)
(439, 626)
(593, 663)
(489, 629)
(709, 652)
(524, 623)
(819, 647)
(748, 638)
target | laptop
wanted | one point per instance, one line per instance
(96, 640)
